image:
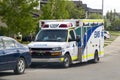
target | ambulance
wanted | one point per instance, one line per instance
(68, 41)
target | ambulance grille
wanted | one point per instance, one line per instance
(46, 49)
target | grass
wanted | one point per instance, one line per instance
(114, 35)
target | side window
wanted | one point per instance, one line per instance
(78, 31)
(17, 45)
(9, 44)
(1, 44)
(72, 36)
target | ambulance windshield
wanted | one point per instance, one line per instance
(52, 36)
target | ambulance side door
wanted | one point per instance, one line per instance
(73, 45)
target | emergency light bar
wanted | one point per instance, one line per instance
(56, 25)
(60, 23)
(92, 24)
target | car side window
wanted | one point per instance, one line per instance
(72, 36)
(9, 44)
(17, 45)
(1, 45)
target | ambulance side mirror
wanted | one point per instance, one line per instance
(77, 38)
(69, 40)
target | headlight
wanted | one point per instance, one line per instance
(57, 49)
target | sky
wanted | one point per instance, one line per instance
(108, 5)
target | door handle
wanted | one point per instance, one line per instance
(18, 51)
(3, 52)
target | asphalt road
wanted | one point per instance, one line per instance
(107, 69)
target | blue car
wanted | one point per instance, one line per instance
(13, 55)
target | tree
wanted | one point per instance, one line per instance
(54, 10)
(47, 10)
(110, 15)
(62, 9)
(3, 31)
(115, 24)
(74, 11)
(17, 14)
(113, 20)
(60, 12)
(95, 16)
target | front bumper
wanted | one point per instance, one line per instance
(48, 60)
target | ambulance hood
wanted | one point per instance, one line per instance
(46, 44)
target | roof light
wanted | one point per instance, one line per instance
(86, 24)
(63, 26)
(42, 23)
(45, 26)
(77, 23)
(69, 25)
(54, 25)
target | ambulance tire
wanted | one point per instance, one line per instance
(67, 61)
(96, 57)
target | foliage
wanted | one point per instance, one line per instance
(105, 23)
(62, 9)
(110, 15)
(54, 10)
(115, 24)
(115, 33)
(114, 21)
(95, 16)
(3, 31)
(47, 10)
(74, 11)
(17, 14)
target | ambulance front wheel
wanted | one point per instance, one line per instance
(96, 57)
(67, 61)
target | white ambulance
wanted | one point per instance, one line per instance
(68, 41)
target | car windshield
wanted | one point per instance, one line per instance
(52, 36)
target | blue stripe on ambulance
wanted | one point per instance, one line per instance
(87, 37)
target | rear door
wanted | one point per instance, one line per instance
(2, 61)
(11, 53)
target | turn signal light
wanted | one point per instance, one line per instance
(56, 53)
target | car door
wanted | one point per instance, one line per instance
(2, 60)
(73, 45)
(11, 53)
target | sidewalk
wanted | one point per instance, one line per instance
(113, 47)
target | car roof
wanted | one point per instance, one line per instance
(5, 37)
